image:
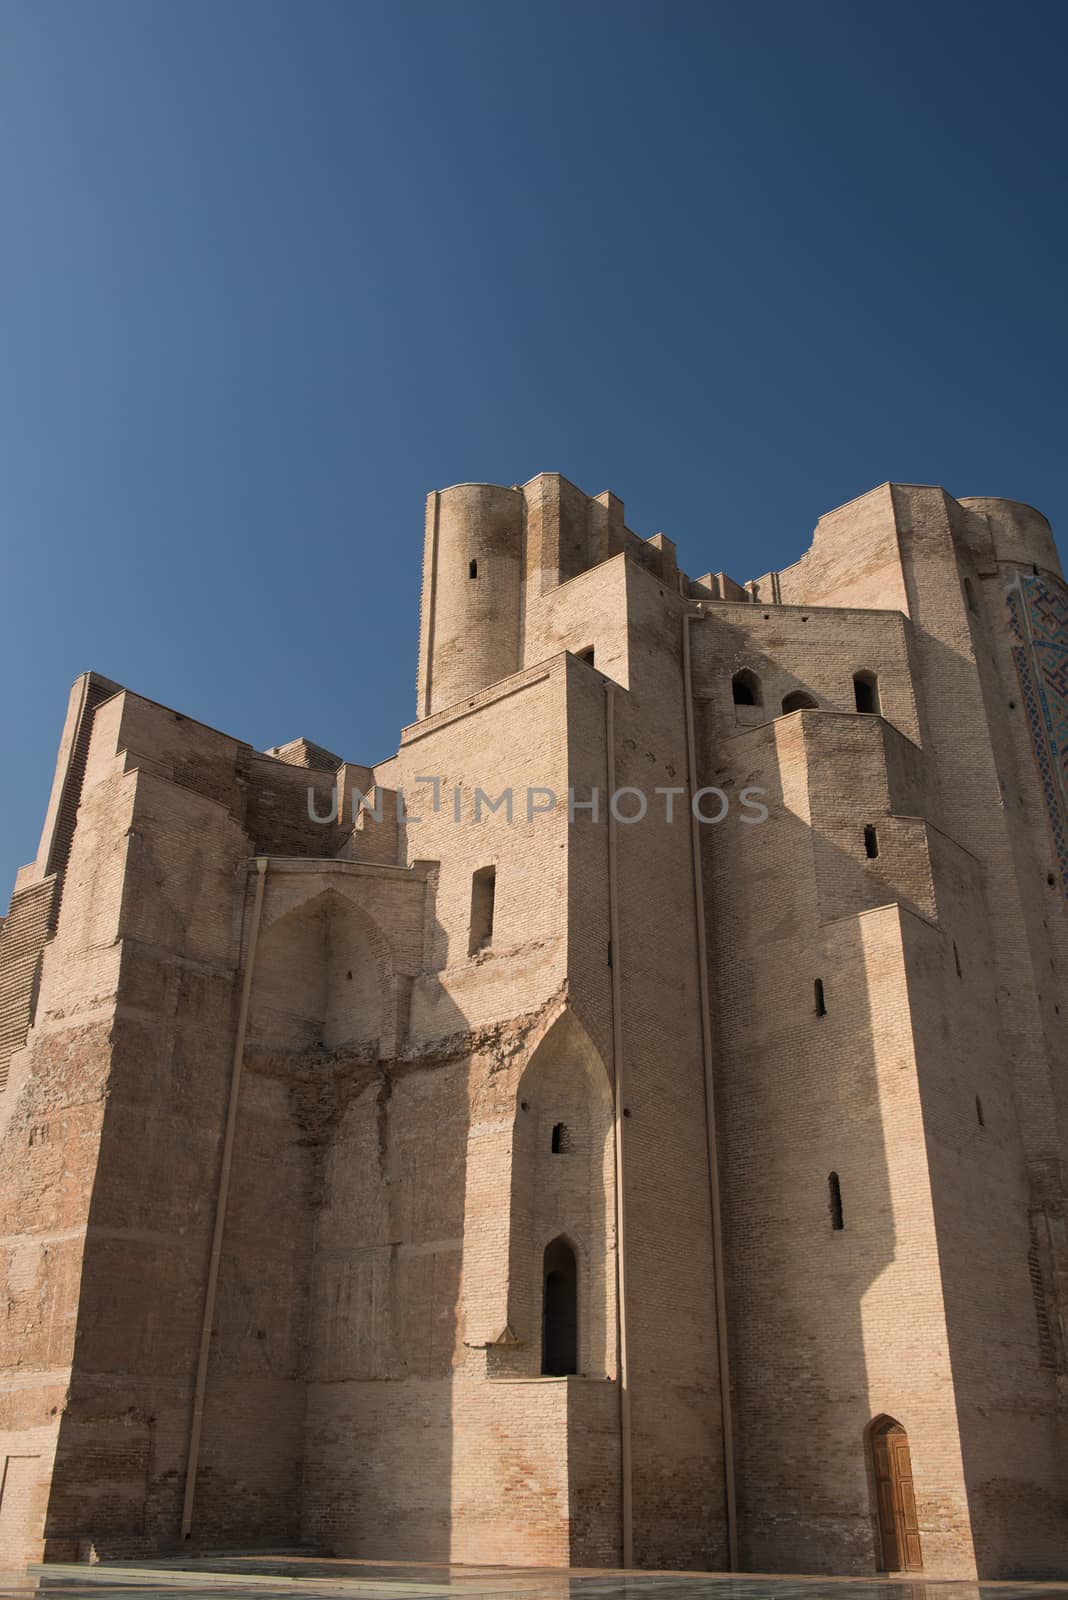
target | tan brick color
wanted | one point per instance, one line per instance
(413, 1120)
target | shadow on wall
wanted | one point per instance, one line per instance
(562, 1192)
(808, 1216)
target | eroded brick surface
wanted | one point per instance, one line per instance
(420, 1114)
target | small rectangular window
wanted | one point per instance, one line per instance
(483, 893)
(834, 1194)
(821, 1003)
(472, 569)
(871, 841)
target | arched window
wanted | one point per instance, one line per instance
(866, 691)
(561, 1141)
(559, 1311)
(745, 687)
(797, 700)
(834, 1193)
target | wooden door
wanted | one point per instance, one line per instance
(908, 1528)
(899, 1528)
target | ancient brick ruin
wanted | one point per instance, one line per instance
(572, 1186)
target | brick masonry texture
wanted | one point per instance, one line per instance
(855, 1004)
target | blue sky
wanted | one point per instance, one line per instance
(272, 271)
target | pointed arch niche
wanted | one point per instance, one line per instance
(562, 1204)
(323, 979)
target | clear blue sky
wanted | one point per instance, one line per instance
(270, 272)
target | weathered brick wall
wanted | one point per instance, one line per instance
(374, 1380)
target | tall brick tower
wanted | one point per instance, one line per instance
(627, 1125)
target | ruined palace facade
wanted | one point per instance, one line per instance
(426, 1181)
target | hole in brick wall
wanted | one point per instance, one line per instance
(483, 897)
(1034, 570)
(349, 976)
(472, 569)
(524, 1105)
(834, 1195)
(821, 1003)
(797, 700)
(1050, 879)
(559, 1313)
(587, 656)
(979, 1112)
(745, 688)
(561, 1139)
(871, 841)
(626, 1111)
(866, 691)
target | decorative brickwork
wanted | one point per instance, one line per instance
(1038, 618)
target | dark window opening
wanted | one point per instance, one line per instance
(745, 687)
(1050, 879)
(821, 1003)
(559, 1315)
(561, 1139)
(472, 569)
(834, 1194)
(587, 656)
(871, 841)
(483, 894)
(866, 691)
(979, 1112)
(797, 700)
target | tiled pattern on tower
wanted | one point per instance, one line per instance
(1038, 618)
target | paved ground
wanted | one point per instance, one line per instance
(291, 1578)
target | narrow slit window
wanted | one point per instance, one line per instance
(979, 1117)
(956, 960)
(866, 692)
(745, 688)
(561, 1142)
(559, 1313)
(472, 569)
(969, 595)
(834, 1196)
(483, 895)
(821, 1003)
(871, 841)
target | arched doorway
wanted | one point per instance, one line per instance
(559, 1316)
(899, 1529)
